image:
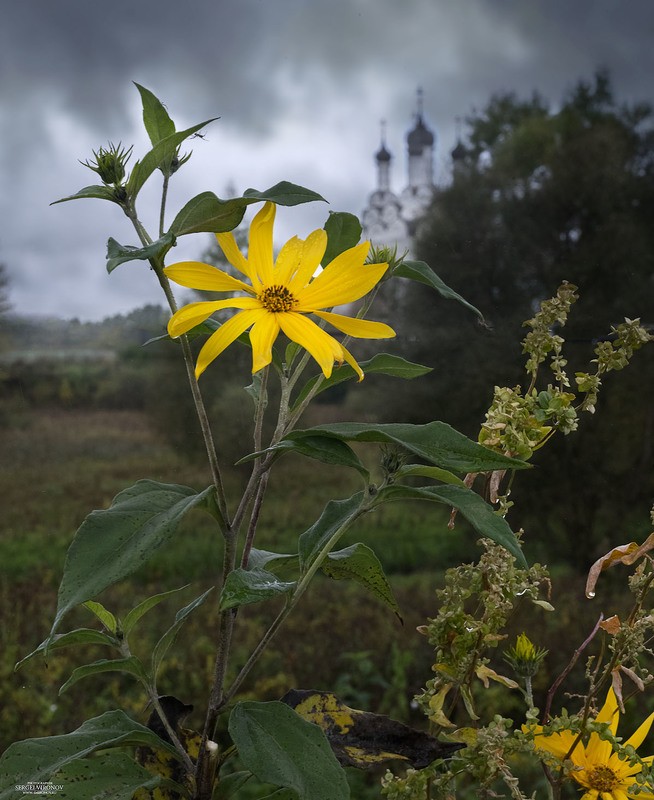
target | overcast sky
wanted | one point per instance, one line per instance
(300, 87)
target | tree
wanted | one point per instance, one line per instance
(539, 196)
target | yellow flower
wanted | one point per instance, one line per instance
(280, 293)
(596, 765)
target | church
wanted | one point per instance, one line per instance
(391, 218)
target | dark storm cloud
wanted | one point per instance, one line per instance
(300, 86)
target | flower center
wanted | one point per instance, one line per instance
(277, 298)
(603, 778)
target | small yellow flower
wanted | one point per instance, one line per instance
(280, 295)
(597, 767)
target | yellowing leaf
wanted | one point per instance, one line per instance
(623, 554)
(611, 625)
(363, 739)
(485, 674)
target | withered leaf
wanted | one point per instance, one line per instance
(363, 739)
(623, 554)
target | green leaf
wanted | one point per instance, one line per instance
(105, 616)
(259, 559)
(322, 448)
(436, 442)
(36, 760)
(423, 273)
(422, 471)
(113, 543)
(162, 646)
(131, 665)
(155, 117)
(359, 563)
(246, 586)
(78, 636)
(478, 513)
(335, 515)
(229, 784)
(110, 775)
(279, 747)
(382, 363)
(161, 154)
(118, 254)
(343, 231)
(97, 192)
(207, 213)
(284, 194)
(142, 608)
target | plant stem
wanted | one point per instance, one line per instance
(190, 371)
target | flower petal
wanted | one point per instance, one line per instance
(262, 336)
(233, 253)
(609, 711)
(344, 280)
(314, 247)
(288, 261)
(347, 356)
(225, 335)
(558, 744)
(197, 275)
(323, 347)
(260, 251)
(194, 313)
(359, 328)
(636, 739)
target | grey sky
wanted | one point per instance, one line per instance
(300, 86)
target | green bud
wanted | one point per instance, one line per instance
(525, 657)
(110, 163)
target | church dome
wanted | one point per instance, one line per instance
(419, 138)
(382, 154)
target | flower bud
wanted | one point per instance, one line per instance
(110, 163)
(524, 657)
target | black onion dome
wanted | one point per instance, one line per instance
(459, 152)
(419, 138)
(382, 154)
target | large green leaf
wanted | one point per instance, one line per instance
(157, 122)
(359, 563)
(382, 363)
(436, 442)
(132, 665)
(424, 471)
(246, 586)
(478, 513)
(284, 194)
(335, 515)
(279, 747)
(343, 231)
(78, 636)
(113, 543)
(323, 448)
(118, 254)
(162, 153)
(36, 760)
(162, 646)
(423, 273)
(110, 775)
(206, 212)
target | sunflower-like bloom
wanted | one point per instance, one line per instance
(597, 767)
(279, 295)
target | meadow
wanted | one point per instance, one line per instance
(57, 464)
